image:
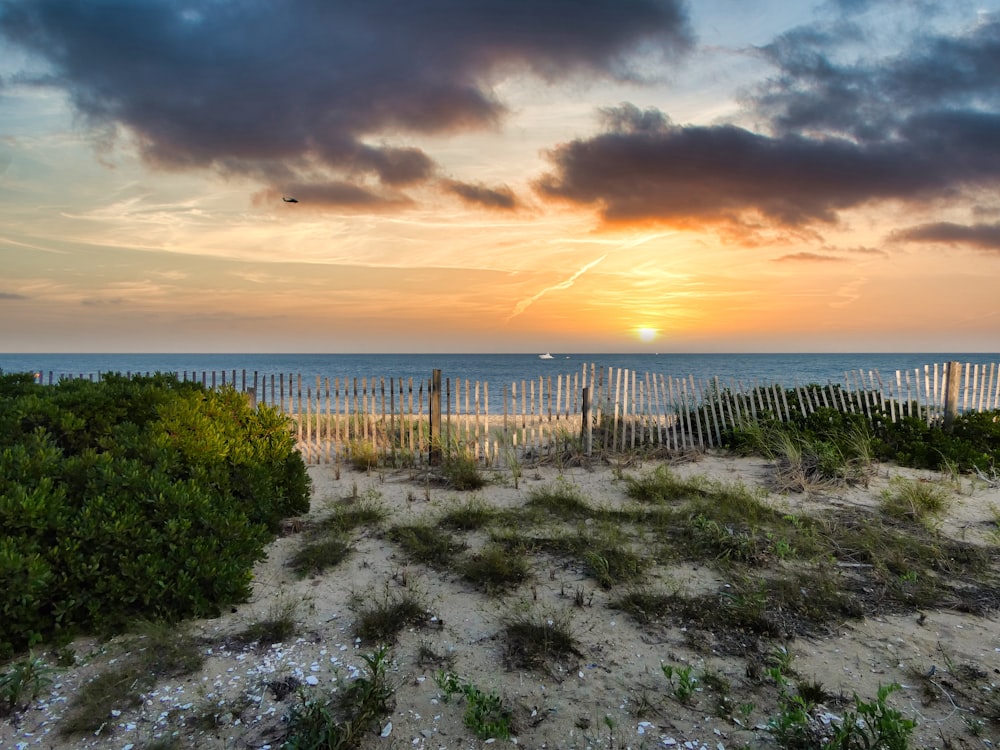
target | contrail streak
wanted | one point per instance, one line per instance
(524, 304)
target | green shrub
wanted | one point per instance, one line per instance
(841, 444)
(134, 498)
(974, 442)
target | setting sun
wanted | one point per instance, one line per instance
(646, 334)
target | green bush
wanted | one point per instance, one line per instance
(836, 437)
(974, 442)
(134, 498)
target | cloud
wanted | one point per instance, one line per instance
(982, 236)
(918, 125)
(808, 258)
(864, 250)
(647, 168)
(11, 296)
(873, 98)
(300, 93)
(500, 197)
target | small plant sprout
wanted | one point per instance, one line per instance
(22, 683)
(682, 683)
(485, 713)
(873, 725)
(781, 658)
(345, 718)
(745, 711)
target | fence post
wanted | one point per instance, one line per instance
(434, 453)
(586, 431)
(952, 383)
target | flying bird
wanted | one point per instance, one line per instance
(286, 199)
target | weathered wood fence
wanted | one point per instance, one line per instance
(627, 409)
(544, 416)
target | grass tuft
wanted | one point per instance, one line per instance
(914, 500)
(381, 618)
(315, 557)
(471, 515)
(562, 500)
(365, 509)
(495, 568)
(427, 544)
(279, 624)
(460, 471)
(157, 651)
(536, 641)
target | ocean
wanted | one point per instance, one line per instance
(497, 369)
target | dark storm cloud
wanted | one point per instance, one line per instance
(982, 236)
(920, 126)
(722, 173)
(500, 197)
(266, 88)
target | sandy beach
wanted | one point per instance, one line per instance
(610, 690)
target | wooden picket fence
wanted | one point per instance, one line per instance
(531, 419)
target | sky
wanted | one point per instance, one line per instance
(499, 176)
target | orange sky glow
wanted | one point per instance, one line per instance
(671, 178)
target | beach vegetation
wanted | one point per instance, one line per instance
(341, 720)
(319, 555)
(155, 651)
(561, 499)
(681, 681)
(511, 457)
(21, 682)
(425, 543)
(495, 567)
(486, 714)
(644, 604)
(914, 499)
(470, 515)
(460, 470)
(837, 445)
(663, 486)
(602, 549)
(128, 498)
(536, 640)
(869, 725)
(327, 541)
(280, 623)
(381, 617)
(363, 454)
(359, 509)
(825, 448)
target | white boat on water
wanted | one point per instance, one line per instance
(545, 356)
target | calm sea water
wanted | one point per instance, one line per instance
(497, 369)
